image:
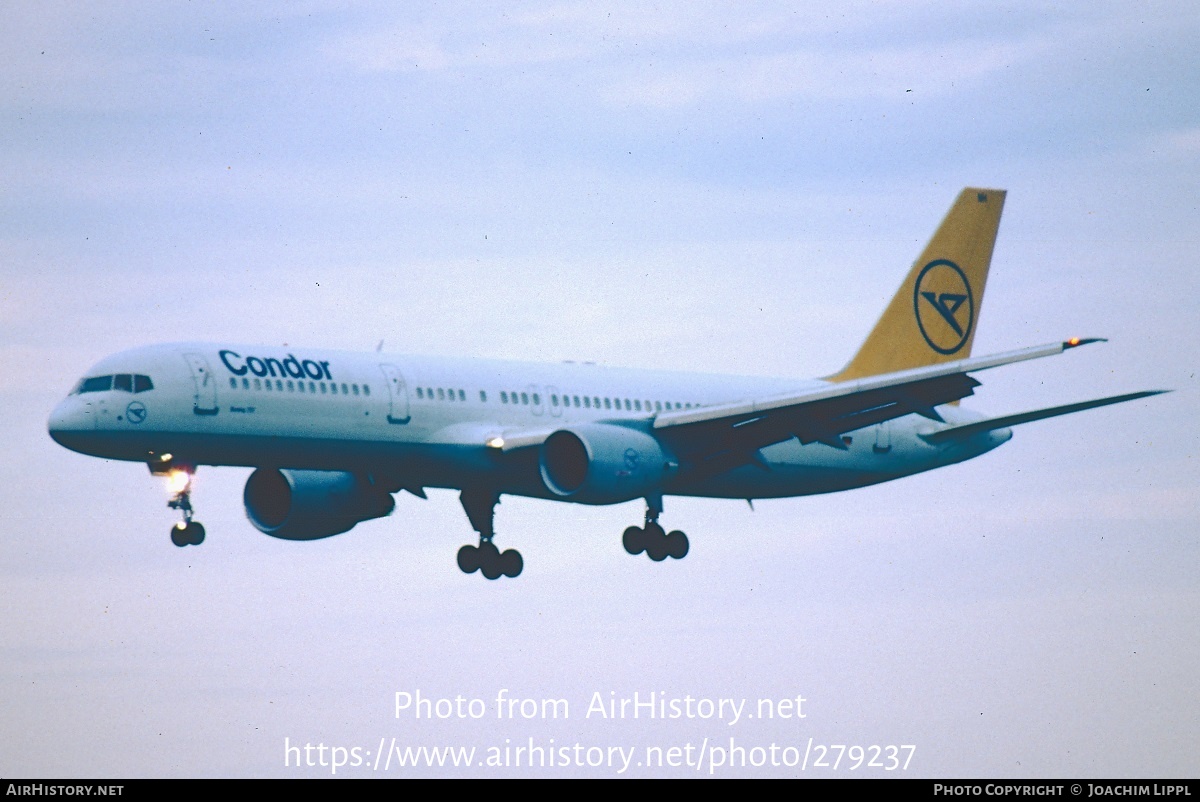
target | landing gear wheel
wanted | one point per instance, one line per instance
(480, 505)
(489, 560)
(656, 542)
(651, 539)
(511, 563)
(677, 545)
(656, 549)
(634, 540)
(189, 533)
(468, 559)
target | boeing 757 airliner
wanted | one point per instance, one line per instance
(332, 435)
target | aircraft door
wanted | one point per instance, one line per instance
(206, 385)
(535, 399)
(99, 412)
(555, 409)
(397, 394)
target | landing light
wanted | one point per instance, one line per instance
(164, 457)
(495, 442)
(177, 481)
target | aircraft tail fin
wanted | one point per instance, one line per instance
(933, 317)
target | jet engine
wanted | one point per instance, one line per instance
(309, 505)
(599, 463)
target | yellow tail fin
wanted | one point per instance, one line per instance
(932, 319)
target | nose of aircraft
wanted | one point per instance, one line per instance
(70, 417)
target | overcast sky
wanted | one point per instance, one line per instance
(730, 190)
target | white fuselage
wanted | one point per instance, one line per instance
(425, 421)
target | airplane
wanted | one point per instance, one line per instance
(332, 435)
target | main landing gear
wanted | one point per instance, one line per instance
(651, 538)
(187, 532)
(480, 506)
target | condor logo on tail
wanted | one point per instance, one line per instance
(944, 306)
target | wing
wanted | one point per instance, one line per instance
(715, 439)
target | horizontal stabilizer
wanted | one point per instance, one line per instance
(969, 429)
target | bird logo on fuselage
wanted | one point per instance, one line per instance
(135, 412)
(944, 306)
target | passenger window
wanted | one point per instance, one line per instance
(483, 396)
(366, 389)
(576, 399)
(291, 386)
(420, 393)
(267, 382)
(524, 398)
(300, 386)
(232, 383)
(258, 384)
(503, 397)
(441, 394)
(462, 395)
(587, 402)
(608, 403)
(355, 388)
(345, 391)
(537, 399)
(279, 385)
(333, 388)
(657, 405)
(553, 399)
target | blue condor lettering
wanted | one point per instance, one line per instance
(270, 366)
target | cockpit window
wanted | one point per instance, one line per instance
(96, 384)
(125, 382)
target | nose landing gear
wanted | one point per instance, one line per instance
(187, 532)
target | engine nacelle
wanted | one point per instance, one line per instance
(309, 505)
(599, 463)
